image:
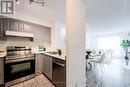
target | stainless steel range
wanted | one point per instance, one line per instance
(19, 65)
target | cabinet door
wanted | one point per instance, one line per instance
(44, 64)
(46, 34)
(26, 27)
(1, 71)
(14, 25)
(39, 63)
(2, 29)
(49, 69)
(37, 33)
(47, 66)
(41, 34)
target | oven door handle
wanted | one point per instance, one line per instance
(18, 60)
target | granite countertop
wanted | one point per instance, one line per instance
(62, 57)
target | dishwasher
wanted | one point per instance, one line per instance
(59, 72)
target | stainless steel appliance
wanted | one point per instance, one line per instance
(19, 64)
(59, 72)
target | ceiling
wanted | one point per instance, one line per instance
(101, 15)
(107, 15)
(53, 9)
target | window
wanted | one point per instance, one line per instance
(110, 43)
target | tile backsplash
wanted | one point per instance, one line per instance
(18, 41)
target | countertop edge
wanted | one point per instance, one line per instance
(55, 56)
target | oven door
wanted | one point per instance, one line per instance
(18, 68)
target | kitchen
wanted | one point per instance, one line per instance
(23, 62)
(24, 57)
(49, 41)
(35, 35)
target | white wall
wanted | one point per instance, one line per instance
(92, 39)
(57, 35)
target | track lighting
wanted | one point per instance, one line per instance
(42, 2)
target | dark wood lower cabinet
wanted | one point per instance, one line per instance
(47, 66)
(1, 71)
(38, 64)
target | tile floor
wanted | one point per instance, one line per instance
(38, 81)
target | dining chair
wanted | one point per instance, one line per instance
(89, 53)
(93, 54)
(99, 60)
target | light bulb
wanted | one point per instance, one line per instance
(17, 2)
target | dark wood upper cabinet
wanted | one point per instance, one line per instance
(17, 25)
(47, 32)
(2, 30)
(26, 27)
(14, 25)
(35, 31)
(41, 33)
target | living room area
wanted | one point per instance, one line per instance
(108, 60)
(108, 44)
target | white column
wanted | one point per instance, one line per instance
(75, 20)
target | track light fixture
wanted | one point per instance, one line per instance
(42, 2)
